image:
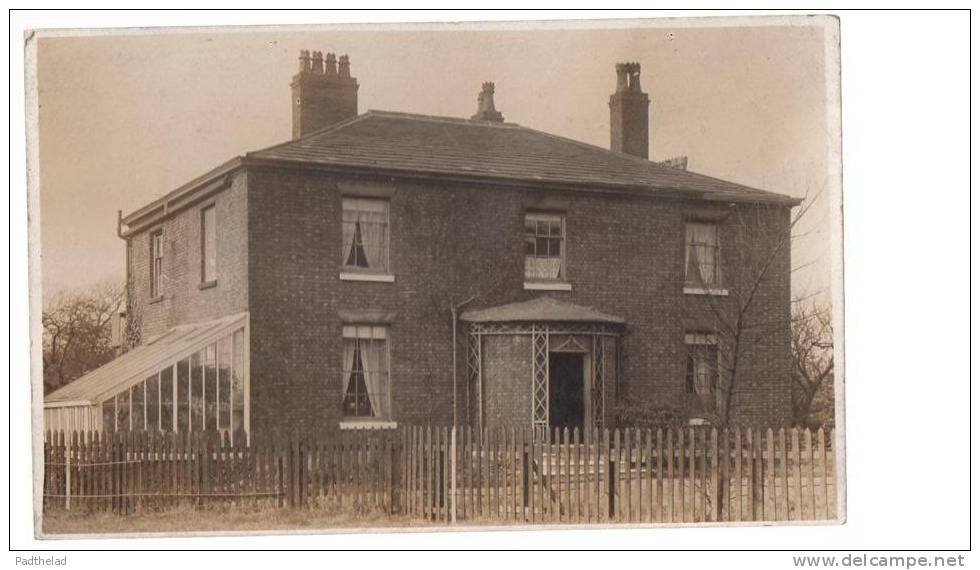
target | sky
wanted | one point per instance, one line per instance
(126, 118)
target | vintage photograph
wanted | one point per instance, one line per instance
(431, 276)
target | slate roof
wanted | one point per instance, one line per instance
(402, 142)
(540, 309)
(136, 365)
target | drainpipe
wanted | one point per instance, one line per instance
(455, 314)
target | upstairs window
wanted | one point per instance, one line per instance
(209, 242)
(156, 264)
(702, 364)
(544, 251)
(702, 263)
(365, 373)
(365, 235)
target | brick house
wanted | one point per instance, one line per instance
(386, 268)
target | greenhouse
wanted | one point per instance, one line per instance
(191, 378)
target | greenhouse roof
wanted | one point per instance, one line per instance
(149, 358)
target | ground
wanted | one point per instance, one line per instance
(217, 519)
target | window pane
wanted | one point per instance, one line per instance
(210, 388)
(365, 233)
(109, 415)
(541, 247)
(238, 382)
(122, 411)
(224, 383)
(209, 238)
(183, 394)
(156, 263)
(152, 403)
(365, 373)
(197, 391)
(554, 247)
(167, 399)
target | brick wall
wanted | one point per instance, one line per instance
(450, 242)
(507, 380)
(182, 301)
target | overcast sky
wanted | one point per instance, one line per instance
(126, 118)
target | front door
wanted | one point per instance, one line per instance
(566, 394)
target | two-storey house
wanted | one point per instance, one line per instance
(386, 268)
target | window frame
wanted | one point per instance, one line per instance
(156, 273)
(369, 332)
(559, 283)
(719, 279)
(209, 280)
(692, 340)
(358, 273)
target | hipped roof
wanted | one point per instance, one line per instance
(404, 142)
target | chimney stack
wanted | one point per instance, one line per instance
(629, 123)
(485, 109)
(322, 94)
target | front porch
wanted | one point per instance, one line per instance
(542, 363)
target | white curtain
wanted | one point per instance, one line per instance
(542, 267)
(350, 345)
(347, 243)
(373, 226)
(702, 375)
(374, 375)
(702, 241)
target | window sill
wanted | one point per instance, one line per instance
(155, 300)
(367, 424)
(374, 277)
(704, 291)
(547, 286)
(207, 284)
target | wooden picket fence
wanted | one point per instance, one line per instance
(505, 475)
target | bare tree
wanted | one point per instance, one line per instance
(77, 333)
(757, 252)
(812, 344)
(757, 242)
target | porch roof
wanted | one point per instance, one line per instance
(540, 309)
(147, 359)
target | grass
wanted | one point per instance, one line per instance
(218, 519)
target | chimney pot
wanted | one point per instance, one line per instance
(343, 67)
(486, 111)
(318, 62)
(331, 65)
(304, 61)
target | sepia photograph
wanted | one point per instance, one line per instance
(437, 277)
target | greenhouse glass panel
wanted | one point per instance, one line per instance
(210, 387)
(224, 383)
(138, 412)
(153, 403)
(183, 394)
(197, 391)
(238, 381)
(167, 399)
(122, 411)
(109, 414)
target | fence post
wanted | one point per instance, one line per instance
(452, 475)
(67, 477)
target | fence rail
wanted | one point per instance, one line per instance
(442, 474)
